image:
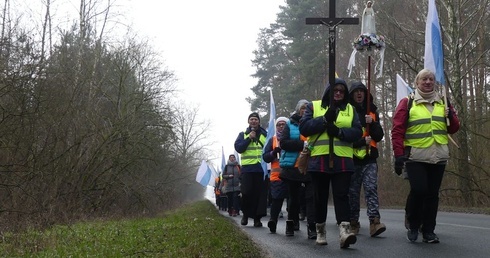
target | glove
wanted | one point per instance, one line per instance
(399, 164)
(331, 114)
(332, 130)
(275, 151)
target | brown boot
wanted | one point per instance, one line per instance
(376, 227)
(355, 226)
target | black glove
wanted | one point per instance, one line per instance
(331, 114)
(275, 151)
(399, 164)
(332, 130)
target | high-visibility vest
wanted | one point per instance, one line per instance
(275, 168)
(361, 152)
(253, 153)
(424, 128)
(344, 120)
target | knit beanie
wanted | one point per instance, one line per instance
(254, 114)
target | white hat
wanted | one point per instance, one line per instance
(282, 118)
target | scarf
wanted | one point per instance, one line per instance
(428, 97)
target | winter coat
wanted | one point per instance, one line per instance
(375, 130)
(400, 121)
(312, 126)
(231, 175)
(292, 146)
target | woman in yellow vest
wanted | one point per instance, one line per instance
(332, 117)
(420, 142)
(249, 144)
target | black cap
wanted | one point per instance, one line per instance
(254, 114)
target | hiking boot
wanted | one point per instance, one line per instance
(244, 221)
(430, 238)
(311, 231)
(257, 223)
(376, 227)
(321, 234)
(346, 237)
(289, 228)
(355, 226)
(272, 225)
(296, 225)
(234, 213)
(412, 234)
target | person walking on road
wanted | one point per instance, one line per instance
(292, 143)
(334, 118)
(420, 144)
(249, 144)
(278, 188)
(231, 175)
(366, 167)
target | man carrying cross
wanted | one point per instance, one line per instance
(332, 125)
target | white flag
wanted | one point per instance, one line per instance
(402, 89)
(223, 161)
(203, 174)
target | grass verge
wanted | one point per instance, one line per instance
(195, 230)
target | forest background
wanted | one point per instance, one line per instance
(89, 127)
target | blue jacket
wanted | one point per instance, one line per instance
(288, 157)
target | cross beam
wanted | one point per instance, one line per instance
(332, 22)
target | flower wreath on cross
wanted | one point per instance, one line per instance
(368, 41)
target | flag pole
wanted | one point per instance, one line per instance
(368, 99)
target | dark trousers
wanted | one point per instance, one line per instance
(233, 201)
(253, 192)
(276, 207)
(423, 200)
(302, 199)
(309, 189)
(293, 200)
(340, 192)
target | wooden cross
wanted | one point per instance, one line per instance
(332, 22)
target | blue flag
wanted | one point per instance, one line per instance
(271, 130)
(434, 57)
(203, 174)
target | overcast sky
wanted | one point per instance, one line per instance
(208, 45)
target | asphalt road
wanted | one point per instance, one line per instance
(461, 235)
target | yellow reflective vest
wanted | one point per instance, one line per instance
(253, 154)
(424, 128)
(321, 146)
